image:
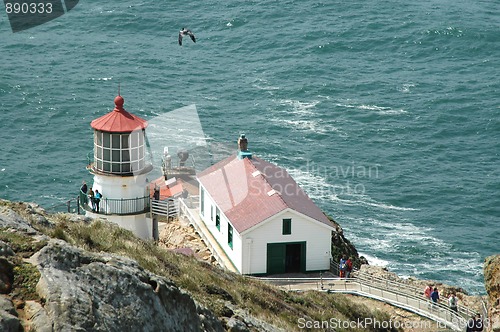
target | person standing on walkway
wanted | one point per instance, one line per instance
(452, 301)
(434, 297)
(97, 199)
(84, 190)
(478, 323)
(348, 268)
(342, 266)
(471, 323)
(428, 291)
(92, 199)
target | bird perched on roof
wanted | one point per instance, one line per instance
(184, 32)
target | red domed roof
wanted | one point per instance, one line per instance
(119, 120)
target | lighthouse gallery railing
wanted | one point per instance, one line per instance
(120, 206)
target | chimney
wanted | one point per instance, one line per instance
(243, 148)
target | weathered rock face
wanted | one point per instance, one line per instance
(175, 235)
(8, 316)
(342, 246)
(492, 284)
(84, 291)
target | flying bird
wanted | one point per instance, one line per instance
(184, 32)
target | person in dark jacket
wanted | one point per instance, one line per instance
(97, 199)
(478, 323)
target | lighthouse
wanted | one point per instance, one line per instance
(120, 169)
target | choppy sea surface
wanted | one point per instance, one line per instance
(386, 112)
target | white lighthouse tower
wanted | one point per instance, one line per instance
(120, 169)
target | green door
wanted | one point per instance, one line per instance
(276, 254)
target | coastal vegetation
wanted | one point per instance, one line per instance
(223, 293)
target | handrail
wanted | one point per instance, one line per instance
(407, 289)
(117, 206)
(183, 208)
(438, 312)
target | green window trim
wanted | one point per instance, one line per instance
(287, 227)
(230, 236)
(202, 202)
(217, 218)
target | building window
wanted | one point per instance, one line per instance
(230, 235)
(287, 226)
(217, 218)
(202, 202)
(212, 213)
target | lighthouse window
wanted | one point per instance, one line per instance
(126, 168)
(134, 154)
(116, 141)
(106, 139)
(125, 141)
(119, 153)
(125, 155)
(106, 154)
(134, 139)
(98, 138)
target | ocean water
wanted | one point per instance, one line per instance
(386, 112)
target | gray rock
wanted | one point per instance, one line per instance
(10, 219)
(5, 250)
(236, 325)
(37, 317)
(8, 316)
(244, 321)
(6, 276)
(9, 322)
(6, 305)
(102, 292)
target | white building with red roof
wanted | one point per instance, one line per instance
(120, 168)
(261, 217)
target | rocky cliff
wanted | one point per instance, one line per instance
(66, 272)
(492, 283)
(51, 285)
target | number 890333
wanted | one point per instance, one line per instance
(28, 8)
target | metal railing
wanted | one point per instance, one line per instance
(184, 210)
(117, 206)
(404, 288)
(435, 311)
(168, 208)
(69, 206)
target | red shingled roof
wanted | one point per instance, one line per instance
(119, 120)
(243, 190)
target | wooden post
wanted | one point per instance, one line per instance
(68, 203)
(78, 204)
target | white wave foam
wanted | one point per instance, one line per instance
(101, 78)
(313, 126)
(405, 88)
(373, 260)
(299, 107)
(370, 202)
(380, 110)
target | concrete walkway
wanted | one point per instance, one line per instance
(439, 313)
(189, 211)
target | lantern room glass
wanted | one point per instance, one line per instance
(119, 153)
